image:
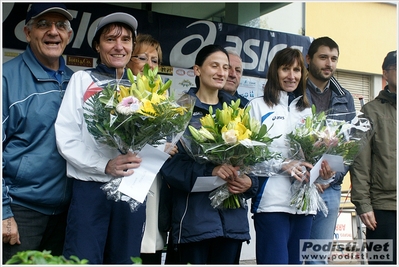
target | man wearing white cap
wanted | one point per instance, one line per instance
(35, 189)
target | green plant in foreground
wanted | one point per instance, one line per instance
(136, 260)
(42, 258)
(34, 257)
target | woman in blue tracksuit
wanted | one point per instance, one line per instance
(203, 234)
(280, 227)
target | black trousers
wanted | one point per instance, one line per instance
(210, 251)
(386, 229)
(37, 231)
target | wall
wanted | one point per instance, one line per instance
(293, 21)
(364, 31)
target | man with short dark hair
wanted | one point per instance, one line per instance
(373, 174)
(36, 190)
(324, 91)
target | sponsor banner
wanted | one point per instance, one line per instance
(181, 38)
(343, 227)
(350, 250)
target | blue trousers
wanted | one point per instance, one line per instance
(100, 230)
(324, 227)
(278, 235)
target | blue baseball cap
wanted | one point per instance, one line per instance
(37, 9)
(389, 60)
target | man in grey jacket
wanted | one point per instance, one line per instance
(373, 174)
(35, 188)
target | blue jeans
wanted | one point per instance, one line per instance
(324, 227)
(278, 236)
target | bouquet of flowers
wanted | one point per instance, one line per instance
(318, 136)
(229, 136)
(128, 114)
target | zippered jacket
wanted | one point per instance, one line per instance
(34, 173)
(193, 217)
(86, 158)
(341, 102)
(373, 174)
(274, 192)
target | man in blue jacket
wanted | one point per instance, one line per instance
(36, 190)
(324, 91)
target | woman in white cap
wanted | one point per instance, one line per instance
(100, 230)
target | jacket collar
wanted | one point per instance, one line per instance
(36, 68)
(223, 97)
(387, 97)
(336, 87)
(109, 71)
(333, 85)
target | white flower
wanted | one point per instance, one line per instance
(230, 136)
(128, 105)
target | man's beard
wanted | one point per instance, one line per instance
(317, 73)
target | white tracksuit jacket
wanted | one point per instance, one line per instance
(274, 195)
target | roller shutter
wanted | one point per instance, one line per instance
(357, 84)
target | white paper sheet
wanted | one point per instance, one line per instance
(138, 184)
(207, 183)
(336, 164)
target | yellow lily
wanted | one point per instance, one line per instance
(224, 115)
(235, 104)
(146, 107)
(208, 122)
(254, 125)
(123, 92)
(181, 110)
(196, 135)
(207, 134)
(241, 130)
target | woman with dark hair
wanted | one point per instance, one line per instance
(99, 229)
(203, 234)
(275, 79)
(280, 227)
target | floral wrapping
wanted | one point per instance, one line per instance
(128, 114)
(229, 136)
(318, 136)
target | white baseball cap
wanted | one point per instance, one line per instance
(118, 17)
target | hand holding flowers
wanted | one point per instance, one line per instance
(128, 114)
(320, 135)
(230, 136)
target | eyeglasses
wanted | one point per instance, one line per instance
(393, 68)
(144, 59)
(46, 25)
